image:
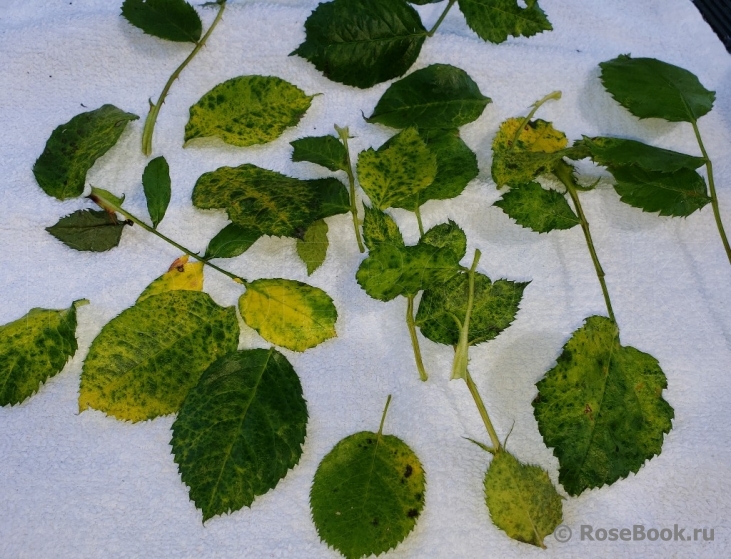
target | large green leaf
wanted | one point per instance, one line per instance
(143, 363)
(289, 313)
(620, 151)
(438, 96)
(88, 230)
(378, 228)
(240, 430)
(362, 42)
(33, 349)
(73, 148)
(601, 408)
(496, 20)
(327, 151)
(649, 88)
(174, 20)
(247, 110)
(537, 208)
(522, 500)
(312, 247)
(156, 184)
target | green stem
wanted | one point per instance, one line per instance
(383, 416)
(344, 134)
(417, 211)
(414, 339)
(149, 127)
(461, 352)
(433, 30)
(483, 411)
(554, 95)
(712, 188)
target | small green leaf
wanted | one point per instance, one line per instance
(399, 170)
(649, 88)
(156, 184)
(240, 430)
(379, 228)
(622, 152)
(247, 110)
(496, 20)
(446, 236)
(438, 96)
(35, 348)
(522, 500)
(321, 150)
(174, 20)
(143, 363)
(232, 241)
(182, 275)
(678, 194)
(88, 230)
(312, 248)
(289, 313)
(73, 148)
(362, 42)
(537, 208)
(601, 408)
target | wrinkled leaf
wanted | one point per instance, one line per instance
(289, 313)
(537, 208)
(144, 361)
(620, 151)
(182, 275)
(35, 348)
(312, 248)
(247, 110)
(240, 430)
(438, 96)
(88, 230)
(378, 228)
(649, 88)
(156, 184)
(362, 42)
(496, 20)
(327, 151)
(73, 148)
(232, 241)
(174, 20)
(601, 408)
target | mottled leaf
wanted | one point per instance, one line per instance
(35, 348)
(622, 152)
(362, 42)
(232, 241)
(601, 408)
(496, 20)
(378, 228)
(182, 275)
(88, 230)
(247, 110)
(312, 248)
(446, 236)
(289, 313)
(649, 88)
(521, 499)
(156, 184)
(240, 430)
(174, 20)
(327, 151)
(537, 208)
(143, 363)
(73, 148)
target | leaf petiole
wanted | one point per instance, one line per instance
(461, 357)
(483, 412)
(344, 134)
(553, 96)
(414, 339)
(383, 415)
(433, 30)
(417, 212)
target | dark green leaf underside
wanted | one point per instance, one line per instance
(173, 20)
(88, 230)
(537, 208)
(327, 151)
(496, 20)
(156, 184)
(312, 248)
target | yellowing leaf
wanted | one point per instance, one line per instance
(182, 275)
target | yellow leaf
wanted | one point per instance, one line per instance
(182, 275)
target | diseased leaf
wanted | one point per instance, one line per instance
(496, 20)
(448, 236)
(537, 208)
(262, 202)
(362, 42)
(73, 148)
(522, 500)
(144, 361)
(247, 110)
(88, 230)
(312, 248)
(174, 20)
(601, 408)
(35, 348)
(321, 150)
(182, 275)
(378, 228)
(678, 194)
(438, 96)
(622, 152)
(289, 313)
(649, 88)
(398, 170)
(240, 430)
(156, 184)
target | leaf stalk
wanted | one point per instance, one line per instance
(553, 96)
(496, 446)
(433, 30)
(414, 338)
(344, 134)
(461, 352)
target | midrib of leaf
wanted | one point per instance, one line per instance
(377, 40)
(688, 193)
(524, 506)
(440, 103)
(297, 311)
(373, 465)
(693, 119)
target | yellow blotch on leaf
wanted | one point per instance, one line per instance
(182, 275)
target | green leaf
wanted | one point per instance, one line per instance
(156, 184)
(35, 348)
(398, 171)
(312, 248)
(522, 500)
(182, 275)
(143, 363)
(247, 110)
(494, 308)
(601, 408)
(362, 42)
(240, 430)
(88, 230)
(321, 150)
(174, 20)
(438, 96)
(649, 88)
(496, 20)
(378, 228)
(232, 241)
(262, 202)
(73, 148)
(537, 208)
(289, 313)
(678, 194)
(620, 151)
(446, 236)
